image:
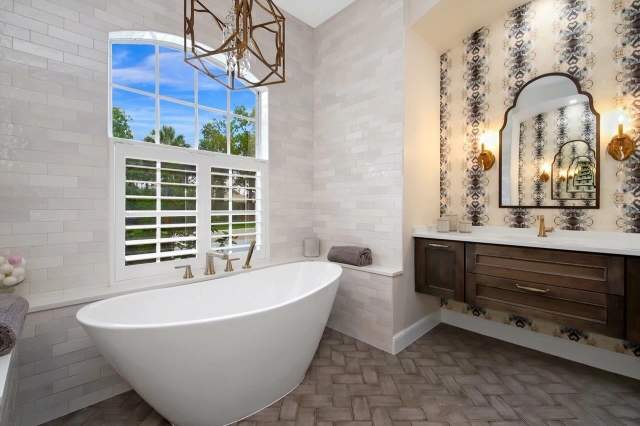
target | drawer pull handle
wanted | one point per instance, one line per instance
(438, 245)
(533, 290)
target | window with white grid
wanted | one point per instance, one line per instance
(235, 208)
(160, 211)
(199, 181)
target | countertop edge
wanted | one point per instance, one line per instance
(546, 243)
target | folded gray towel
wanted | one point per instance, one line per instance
(357, 256)
(13, 309)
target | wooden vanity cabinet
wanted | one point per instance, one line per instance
(633, 299)
(440, 268)
(588, 291)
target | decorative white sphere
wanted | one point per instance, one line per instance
(6, 269)
(18, 272)
(9, 281)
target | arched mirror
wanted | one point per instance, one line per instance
(549, 146)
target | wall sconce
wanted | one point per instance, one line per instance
(486, 159)
(563, 177)
(621, 146)
(545, 173)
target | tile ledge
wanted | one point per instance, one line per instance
(375, 269)
(60, 299)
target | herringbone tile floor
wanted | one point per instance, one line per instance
(450, 376)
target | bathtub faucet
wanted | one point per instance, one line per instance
(247, 262)
(225, 256)
(187, 271)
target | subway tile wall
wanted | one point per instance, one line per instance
(364, 308)
(54, 151)
(59, 368)
(358, 129)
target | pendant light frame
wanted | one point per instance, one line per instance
(240, 42)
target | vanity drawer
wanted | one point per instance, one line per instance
(572, 270)
(599, 312)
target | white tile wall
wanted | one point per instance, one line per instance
(364, 308)
(59, 368)
(358, 125)
(54, 174)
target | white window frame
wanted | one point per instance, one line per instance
(204, 161)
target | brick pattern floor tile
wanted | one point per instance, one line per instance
(447, 377)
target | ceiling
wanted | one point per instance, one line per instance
(313, 12)
(445, 23)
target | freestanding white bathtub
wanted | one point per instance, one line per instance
(215, 352)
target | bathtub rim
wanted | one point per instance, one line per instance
(83, 318)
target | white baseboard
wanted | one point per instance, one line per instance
(415, 331)
(584, 354)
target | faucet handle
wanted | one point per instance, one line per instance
(187, 271)
(229, 267)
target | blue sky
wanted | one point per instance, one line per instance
(134, 67)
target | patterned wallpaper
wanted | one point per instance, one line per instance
(595, 41)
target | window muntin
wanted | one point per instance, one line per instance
(160, 211)
(235, 214)
(158, 98)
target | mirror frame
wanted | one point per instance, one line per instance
(597, 148)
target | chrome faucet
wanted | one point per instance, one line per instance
(187, 272)
(247, 262)
(225, 256)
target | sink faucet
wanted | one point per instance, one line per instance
(247, 262)
(542, 229)
(225, 256)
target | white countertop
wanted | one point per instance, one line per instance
(589, 241)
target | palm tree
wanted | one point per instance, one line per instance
(167, 137)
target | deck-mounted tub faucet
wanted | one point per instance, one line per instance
(225, 256)
(187, 272)
(247, 262)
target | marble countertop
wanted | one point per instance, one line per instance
(589, 241)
